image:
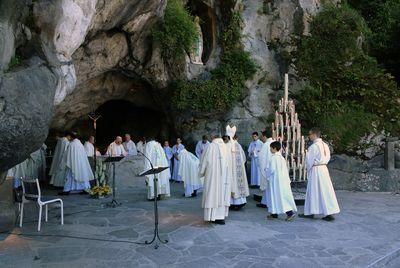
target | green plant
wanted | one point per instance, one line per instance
(177, 33)
(15, 61)
(348, 93)
(227, 79)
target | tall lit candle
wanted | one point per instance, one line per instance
(298, 131)
(286, 96)
(294, 170)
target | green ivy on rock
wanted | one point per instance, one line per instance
(227, 81)
(348, 95)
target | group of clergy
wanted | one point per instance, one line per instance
(225, 185)
(218, 168)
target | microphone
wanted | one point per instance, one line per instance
(151, 164)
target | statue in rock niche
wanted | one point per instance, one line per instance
(195, 55)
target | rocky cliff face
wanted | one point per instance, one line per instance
(78, 54)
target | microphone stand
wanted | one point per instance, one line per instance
(156, 232)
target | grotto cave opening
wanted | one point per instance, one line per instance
(118, 117)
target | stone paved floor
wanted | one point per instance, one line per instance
(364, 233)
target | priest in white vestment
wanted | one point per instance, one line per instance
(25, 169)
(39, 163)
(156, 154)
(129, 145)
(214, 168)
(254, 150)
(263, 160)
(141, 145)
(116, 148)
(189, 172)
(201, 146)
(57, 171)
(169, 154)
(77, 168)
(239, 186)
(176, 150)
(320, 195)
(89, 147)
(279, 193)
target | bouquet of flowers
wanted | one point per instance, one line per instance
(100, 191)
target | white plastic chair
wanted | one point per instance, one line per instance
(31, 193)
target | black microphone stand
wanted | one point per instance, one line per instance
(156, 232)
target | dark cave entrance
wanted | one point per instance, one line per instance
(121, 116)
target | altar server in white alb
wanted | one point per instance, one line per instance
(169, 154)
(156, 154)
(116, 148)
(77, 168)
(217, 185)
(240, 187)
(57, 171)
(320, 196)
(176, 150)
(201, 146)
(279, 193)
(254, 150)
(263, 160)
(129, 145)
(189, 172)
(89, 148)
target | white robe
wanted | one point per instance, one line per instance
(189, 172)
(214, 167)
(201, 147)
(156, 154)
(263, 160)
(57, 171)
(320, 195)
(169, 154)
(89, 149)
(239, 185)
(39, 163)
(279, 193)
(130, 147)
(176, 150)
(116, 150)
(78, 170)
(254, 150)
(24, 169)
(141, 147)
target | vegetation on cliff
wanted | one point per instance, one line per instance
(348, 94)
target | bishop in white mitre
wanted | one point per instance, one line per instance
(254, 150)
(279, 193)
(320, 195)
(129, 145)
(89, 147)
(176, 150)
(189, 172)
(57, 171)
(78, 172)
(116, 148)
(201, 146)
(239, 185)
(263, 160)
(157, 156)
(214, 167)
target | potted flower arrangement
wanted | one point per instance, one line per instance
(100, 191)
